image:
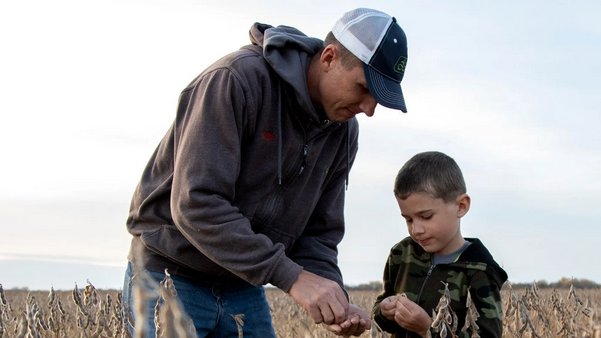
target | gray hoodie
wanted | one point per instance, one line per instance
(248, 184)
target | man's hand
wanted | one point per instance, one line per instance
(356, 323)
(322, 298)
(411, 316)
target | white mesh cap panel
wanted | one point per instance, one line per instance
(361, 31)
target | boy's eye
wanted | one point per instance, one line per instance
(428, 216)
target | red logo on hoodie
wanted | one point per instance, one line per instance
(267, 135)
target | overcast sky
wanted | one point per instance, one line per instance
(510, 89)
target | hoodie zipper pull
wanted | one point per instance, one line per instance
(304, 163)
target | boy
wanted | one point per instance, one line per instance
(431, 194)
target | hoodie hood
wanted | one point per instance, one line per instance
(288, 51)
(477, 252)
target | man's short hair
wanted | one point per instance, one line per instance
(347, 59)
(433, 173)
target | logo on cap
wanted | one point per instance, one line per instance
(399, 67)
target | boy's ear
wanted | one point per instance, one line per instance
(463, 204)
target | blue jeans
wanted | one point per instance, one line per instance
(211, 307)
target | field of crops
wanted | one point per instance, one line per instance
(88, 312)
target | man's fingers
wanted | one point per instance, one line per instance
(339, 311)
(328, 315)
(323, 299)
(356, 323)
(328, 312)
(334, 310)
(353, 320)
(337, 329)
(315, 313)
(345, 329)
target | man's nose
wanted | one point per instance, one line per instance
(368, 105)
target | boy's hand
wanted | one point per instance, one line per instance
(411, 316)
(388, 307)
(356, 323)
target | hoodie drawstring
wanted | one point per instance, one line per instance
(280, 112)
(348, 155)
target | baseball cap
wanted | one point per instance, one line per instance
(376, 39)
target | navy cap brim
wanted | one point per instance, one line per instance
(386, 91)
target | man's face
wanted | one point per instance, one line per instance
(344, 92)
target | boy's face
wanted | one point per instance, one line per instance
(433, 223)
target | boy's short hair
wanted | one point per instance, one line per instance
(433, 173)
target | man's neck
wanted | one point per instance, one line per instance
(313, 74)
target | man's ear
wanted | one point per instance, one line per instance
(463, 204)
(328, 54)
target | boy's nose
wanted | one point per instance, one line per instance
(417, 229)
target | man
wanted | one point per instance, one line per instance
(247, 186)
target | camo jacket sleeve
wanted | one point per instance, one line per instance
(402, 266)
(384, 323)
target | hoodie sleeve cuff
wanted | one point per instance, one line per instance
(285, 274)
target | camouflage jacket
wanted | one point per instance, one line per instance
(409, 270)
